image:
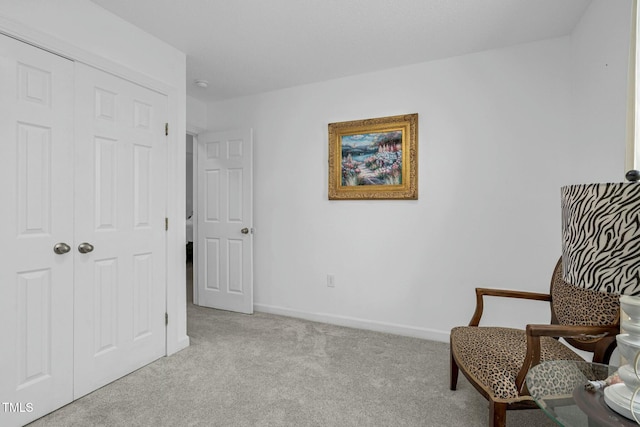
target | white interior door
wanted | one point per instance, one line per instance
(36, 284)
(224, 220)
(120, 285)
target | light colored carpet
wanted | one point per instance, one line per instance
(267, 370)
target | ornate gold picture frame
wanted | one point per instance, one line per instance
(374, 158)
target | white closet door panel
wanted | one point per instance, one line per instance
(120, 210)
(36, 284)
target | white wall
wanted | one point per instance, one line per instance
(85, 32)
(497, 140)
(196, 115)
(91, 28)
(599, 77)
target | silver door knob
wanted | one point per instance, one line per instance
(85, 248)
(245, 230)
(61, 248)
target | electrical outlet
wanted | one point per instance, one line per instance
(331, 281)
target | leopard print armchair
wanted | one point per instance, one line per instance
(496, 359)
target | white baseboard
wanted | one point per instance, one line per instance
(351, 322)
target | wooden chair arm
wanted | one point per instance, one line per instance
(580, 331)
(506, 293)
(534, 332)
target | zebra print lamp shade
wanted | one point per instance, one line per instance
(601, 251)
(601, 237)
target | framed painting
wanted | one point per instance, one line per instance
(374, 158)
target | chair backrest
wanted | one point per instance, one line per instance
(572, 305)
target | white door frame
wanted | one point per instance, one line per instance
(176, 337)
(194, 198)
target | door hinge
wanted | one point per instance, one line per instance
(166, 224)
(166, 128)
(166, 319)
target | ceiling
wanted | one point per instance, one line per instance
(244, 47)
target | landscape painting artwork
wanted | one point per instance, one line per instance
(373, 158)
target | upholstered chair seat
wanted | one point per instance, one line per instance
(495, 367)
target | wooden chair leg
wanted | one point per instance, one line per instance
(453, 372)
(497, 414)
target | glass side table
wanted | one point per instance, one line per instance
(558, 389)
